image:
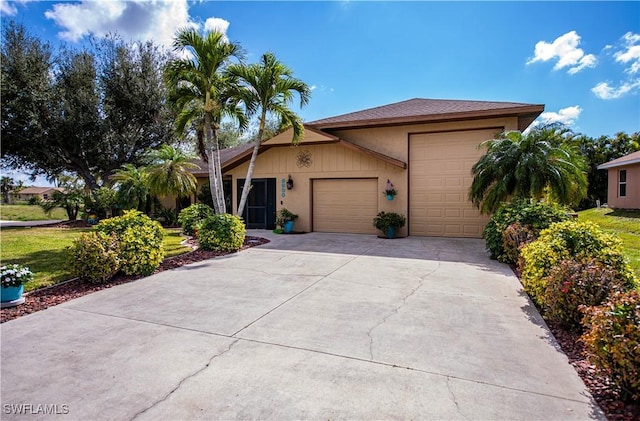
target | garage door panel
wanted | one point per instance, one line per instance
(440, 177)
(345, 205)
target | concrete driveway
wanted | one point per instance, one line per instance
(314, 326)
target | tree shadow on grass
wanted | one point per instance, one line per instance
(625, 213)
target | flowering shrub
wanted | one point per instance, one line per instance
(573, 284)
(569, 240)
(612, 341)
(93, 257)
(528, 212)
(15, 275)
(221, 233)
(140, 238)
(192, 215)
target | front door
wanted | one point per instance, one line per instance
(260, 210)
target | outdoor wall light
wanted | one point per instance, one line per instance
(289, 183)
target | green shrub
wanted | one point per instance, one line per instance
(612, 341)
(192, 215)
(221, 233)
(573, 284)
(93, 257)
(140, 238)
(514, 237)
(569, 240)
(528, 212)
(34, 201)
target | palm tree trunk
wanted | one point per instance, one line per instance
(215, 172)
(252, 164)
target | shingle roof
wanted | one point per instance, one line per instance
(420, 109)
(632, 158)
(226, 155)
(37, 190)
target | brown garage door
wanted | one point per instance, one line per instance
(440, 177)
(345, 205)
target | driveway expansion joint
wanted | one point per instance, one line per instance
(185, 379)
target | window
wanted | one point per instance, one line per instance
(622, 183)
(45, 196)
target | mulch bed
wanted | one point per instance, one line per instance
(43, 298)
(602, 390)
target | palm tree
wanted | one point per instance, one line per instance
(202, 92)
(169, 173)
(268, 88)
(133, 186)
(528, 165)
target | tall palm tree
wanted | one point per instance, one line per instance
(133, 186)
(169, 173)
(202, 92)
(267, 89)
(528, 165)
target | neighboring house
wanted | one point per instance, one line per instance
(44, 193)
(623, 191)
(425, 147)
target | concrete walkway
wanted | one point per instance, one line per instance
(313, 326)
(4, 224)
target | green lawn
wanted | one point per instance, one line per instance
(625, 224)
(44, 251)
(29, 213)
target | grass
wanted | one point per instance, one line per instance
(625, 224)
(29, 213)
(44, 251)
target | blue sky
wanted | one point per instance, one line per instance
(580, 59)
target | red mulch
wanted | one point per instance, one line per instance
(50, 296)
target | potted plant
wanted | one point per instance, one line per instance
(389, 222)
(285, 220)
(13, 278)
(389, 191)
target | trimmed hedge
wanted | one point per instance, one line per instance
(531, 213)
(566, 241)
(93, 257)
(222, 232)
(192, 215)
(140, 238)
(574, 284)
(612, 341)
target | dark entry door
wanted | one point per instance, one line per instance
(260, 210)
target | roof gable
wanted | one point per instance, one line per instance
(419, 110)
(632, 158)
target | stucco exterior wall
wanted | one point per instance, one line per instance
(632, 199)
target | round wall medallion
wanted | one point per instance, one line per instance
(303, 159)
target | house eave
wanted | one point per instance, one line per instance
(609, 165)
(526, 115)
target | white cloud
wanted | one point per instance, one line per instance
(566, 116)
(156, 20)
(9, 7)
(604, 91)
(216, 24)
(631, 54)
(565, 50)
(313, 87)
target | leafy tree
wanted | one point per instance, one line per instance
(132, 184)
(203, 94)
(528, 166)
(8, 185)
(268, 88)
(598, 151)
(84, 112)
(169, 173)
(70, 198)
